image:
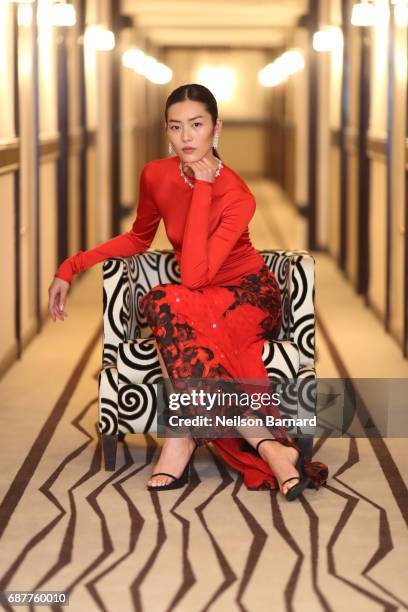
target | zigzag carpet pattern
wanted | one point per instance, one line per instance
(67, 524)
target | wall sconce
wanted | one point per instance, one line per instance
(133, 59)
(290, 62)
(62, 14)
(24, 14)
(159, 73)
(328, 39)
(221, 80)
(99, 38)
(271, 75)
(145, 64)
(286, 64)
(401, 15)
(363, 14)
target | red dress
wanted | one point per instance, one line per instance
(213, 324)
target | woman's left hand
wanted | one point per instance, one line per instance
(204, 169)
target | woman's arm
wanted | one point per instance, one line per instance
(202, 257)
(137, 240)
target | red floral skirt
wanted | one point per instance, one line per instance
(217, 333)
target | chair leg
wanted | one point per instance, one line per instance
(109, 444)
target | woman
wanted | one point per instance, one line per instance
(213, 324)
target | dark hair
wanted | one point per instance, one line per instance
(199, 93)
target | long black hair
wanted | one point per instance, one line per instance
(198, 93)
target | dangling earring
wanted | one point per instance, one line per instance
(171, 150)
(215, 141)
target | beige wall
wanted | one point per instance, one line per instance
(335, 81)
(378, 130)
(48, 128)
(352, 214)
(6, 72)
(328, 203)
(398, 228)
(135, 117)
(27, 185)
(47, 69)
(248, 101)
(8, 345)
(333, 230)
(352, 161)
(299, 110)
(48, 225)
(323, 136)
(140, 108)
(377, 229)
(243, 149)
(91, 196)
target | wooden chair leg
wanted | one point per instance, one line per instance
(109, 445)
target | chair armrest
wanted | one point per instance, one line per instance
(295, 273)
(125, 280)
(116, 310)
(146, 270)
(301, 306)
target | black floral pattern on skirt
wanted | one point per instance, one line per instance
(214, 336)
(181, 320)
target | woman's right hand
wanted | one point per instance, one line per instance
(57, 294)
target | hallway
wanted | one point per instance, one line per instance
(67, 524)
(307, 102)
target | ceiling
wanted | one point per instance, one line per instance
(206, 23)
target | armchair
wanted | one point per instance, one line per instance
(131, 383)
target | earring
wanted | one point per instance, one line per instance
(171, 150)
(215, 141)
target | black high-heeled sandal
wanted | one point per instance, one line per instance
(177, 482)
(304, 479)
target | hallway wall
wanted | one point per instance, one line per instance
(76, 128)
(351, 175)
(56, 150)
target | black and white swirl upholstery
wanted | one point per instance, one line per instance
(131, 381)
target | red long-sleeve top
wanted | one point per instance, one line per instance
(207, 226)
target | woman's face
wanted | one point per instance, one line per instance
(190, 127)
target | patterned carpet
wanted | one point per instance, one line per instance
(67, 524)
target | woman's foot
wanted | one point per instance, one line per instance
(174, 456)
(282, 460)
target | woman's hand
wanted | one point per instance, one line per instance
(57, 294)
(204, 169)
